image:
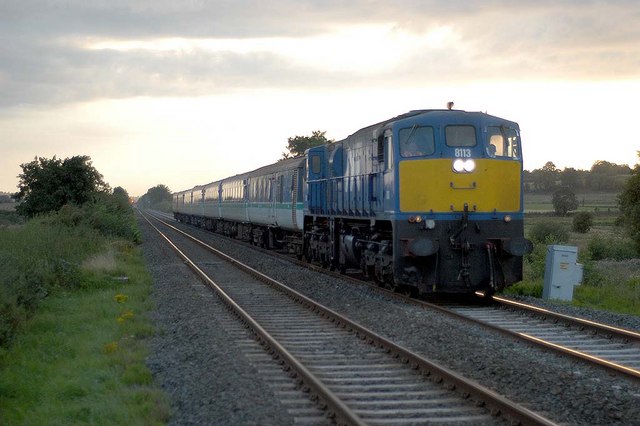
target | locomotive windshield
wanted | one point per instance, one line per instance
(460, 136)
(416, 141)
(502, 142)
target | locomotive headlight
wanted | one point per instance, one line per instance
(429, 224)
(469, 166)
(464, 166)
(507, 218)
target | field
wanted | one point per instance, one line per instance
(74, 323)
(594, 202)
(611, 261)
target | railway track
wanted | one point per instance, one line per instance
(361, 377)
(610, 347)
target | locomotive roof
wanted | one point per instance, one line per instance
(414, 113)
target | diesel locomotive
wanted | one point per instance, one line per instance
(426, 202)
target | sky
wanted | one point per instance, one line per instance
(183, 93)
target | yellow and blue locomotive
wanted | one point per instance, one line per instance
(427, 202)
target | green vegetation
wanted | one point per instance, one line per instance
(548, 231)
(564, 200)
(630, 204)
(9, 218)
(603, 177)
(582, 222)
(157, 198)
(74, 294)
(48, 184)
(610, 258)
(80, 359)
(297, 145)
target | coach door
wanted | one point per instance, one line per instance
(316, 181)
(294, 198)
(276, 193)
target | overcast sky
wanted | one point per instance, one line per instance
(187, 92)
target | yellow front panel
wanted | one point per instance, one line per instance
(427, 185)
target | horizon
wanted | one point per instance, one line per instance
(189, 93)
(631, 166)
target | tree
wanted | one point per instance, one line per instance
(610, 169)
(564, 200)
(572, 178)
(606, 176)
(629, 201)
(48, 184)
(158, 198)
(297, 145)
(582, 222)
(544, 179)
(121, 196)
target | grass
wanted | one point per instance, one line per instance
(73, 331)
(600, 202)
(81, 357)
(621, 297)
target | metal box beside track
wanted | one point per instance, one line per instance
(561, 272)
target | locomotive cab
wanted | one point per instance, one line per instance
(460, 221)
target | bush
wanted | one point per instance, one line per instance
(611, 248)
(548, 232)
(582, 222)
(525, 288)
(45, 254)
(629, 201)
(564, 200)
(107, 215)
(10, 217)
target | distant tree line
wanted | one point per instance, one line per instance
(603, 176)
(157, 198)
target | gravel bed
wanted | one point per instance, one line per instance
(564, 390)
(207, 377)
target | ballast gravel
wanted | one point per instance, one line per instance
(207, 377)
(209, 381)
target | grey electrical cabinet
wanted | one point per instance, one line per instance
(561, 272)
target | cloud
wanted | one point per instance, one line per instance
(47, 58)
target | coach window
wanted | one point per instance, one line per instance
(416, 141)
(460, 136)
(280, 189)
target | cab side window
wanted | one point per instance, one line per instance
(502, 142)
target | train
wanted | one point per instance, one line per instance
(427, 202)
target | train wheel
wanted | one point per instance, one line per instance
(406, 290)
